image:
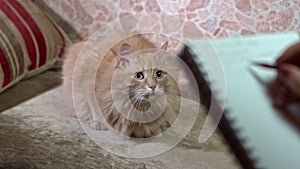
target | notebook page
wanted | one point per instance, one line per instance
(273, 141)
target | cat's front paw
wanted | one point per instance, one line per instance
(97, 125)
(157, 135)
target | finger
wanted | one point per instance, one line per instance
(279, 101)
(291, 78)
(277, 93)
(291, 55)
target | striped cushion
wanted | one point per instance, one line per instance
(30, 42)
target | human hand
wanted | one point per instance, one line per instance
(291, 55)
(288, 78)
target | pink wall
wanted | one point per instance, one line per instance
(213, 18)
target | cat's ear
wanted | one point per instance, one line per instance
(161, 52)
(124, 51)
(164, 46)
(123, 54)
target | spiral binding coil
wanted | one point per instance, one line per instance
(230, 132)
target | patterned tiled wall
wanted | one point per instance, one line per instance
(213, 18)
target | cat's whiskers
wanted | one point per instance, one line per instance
(125, 103)
(139, 102)
(172, 98)
(134, 102)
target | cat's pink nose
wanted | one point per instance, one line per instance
(152, 86)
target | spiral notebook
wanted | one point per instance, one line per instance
(259, 135)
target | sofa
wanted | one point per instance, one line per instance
(35, 131)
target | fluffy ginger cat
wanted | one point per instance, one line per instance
(132, 89)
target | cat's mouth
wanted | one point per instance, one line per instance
(147, 96)
(150, 93)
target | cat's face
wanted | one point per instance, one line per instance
(149, 73)
(147, 82)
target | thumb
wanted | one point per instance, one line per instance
(291, 78)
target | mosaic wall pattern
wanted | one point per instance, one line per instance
(212, 18)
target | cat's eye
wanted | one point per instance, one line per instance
(159, 74)
(139, 75)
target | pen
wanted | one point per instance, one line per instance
(265, 65)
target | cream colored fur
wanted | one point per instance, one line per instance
(94, 76)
